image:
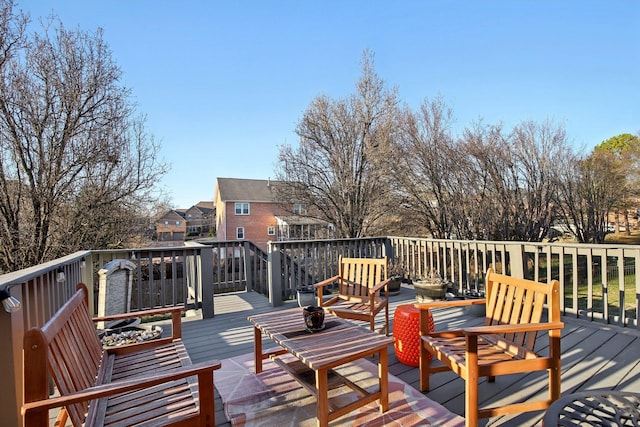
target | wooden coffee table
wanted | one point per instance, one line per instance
(340, 342)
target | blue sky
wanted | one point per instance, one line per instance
(223, 84)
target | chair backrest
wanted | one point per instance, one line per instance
(358, 275)
(68, 343)
(511, 300)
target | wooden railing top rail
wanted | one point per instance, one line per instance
(24, 275)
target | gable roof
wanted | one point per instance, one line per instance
(206, 205)
(203, 210)
(246, 190)
(171, 215)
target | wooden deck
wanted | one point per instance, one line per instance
(595, 356)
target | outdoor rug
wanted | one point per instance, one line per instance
(274, 398)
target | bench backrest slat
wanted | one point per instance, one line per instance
(512, 300)
(358, 275)
(73, 350)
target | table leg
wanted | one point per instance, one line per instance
(383, 378)
(257, 349)
(322, 388)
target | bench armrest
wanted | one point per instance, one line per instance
(508, 329)
(137, 383)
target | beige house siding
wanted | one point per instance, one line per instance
(221, 217)
(171, 227)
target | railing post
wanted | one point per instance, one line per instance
(387, 249)
(248, 266)
(516, 259)
(275, 274)
(12, 331)
(206, 281)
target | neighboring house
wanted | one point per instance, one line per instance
(200, 219)
(171, 226)
(178, 224)
(246, 209)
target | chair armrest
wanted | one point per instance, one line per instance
(508, 329)
(379, 286)
(452, 303)
(123, 386)
(326, 282)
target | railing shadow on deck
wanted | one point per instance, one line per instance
(599, 281)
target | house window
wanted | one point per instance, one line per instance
(299, 209)
(177, 223)
(166, 223)
(271, 230)
(240, 233)
(242, 208)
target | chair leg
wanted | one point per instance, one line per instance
(471, 382)
(425, 367)
(471, 400)
(554, 384)
(386, 320)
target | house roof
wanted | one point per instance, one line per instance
(208, 204)
(300, 220)
(171, 215)
(246, 190)
(201, 209)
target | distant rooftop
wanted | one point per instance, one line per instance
(246, 190)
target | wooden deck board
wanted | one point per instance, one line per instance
(594, 355)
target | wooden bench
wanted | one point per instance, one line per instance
(504, 345)
(151, 383)
(360, 282)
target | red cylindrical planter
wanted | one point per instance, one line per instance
(406, 331)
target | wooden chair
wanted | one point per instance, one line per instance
(359, 284)
(504, 345)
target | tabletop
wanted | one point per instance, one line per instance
(339, 342)
(598, 407)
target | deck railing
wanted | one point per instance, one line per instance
(600, 282)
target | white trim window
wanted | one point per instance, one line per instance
(271, 230)
(242, 208)
(299, 209)
(240, 233)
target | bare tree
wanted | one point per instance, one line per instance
(489, 180)
(510, 180)
(338, 169)
(75, 160)
(626, 148)
(539, 150)
(588, 190)
(425, 168)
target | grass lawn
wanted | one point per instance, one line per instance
(613, 281)
(623, 239)
(613, 285)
